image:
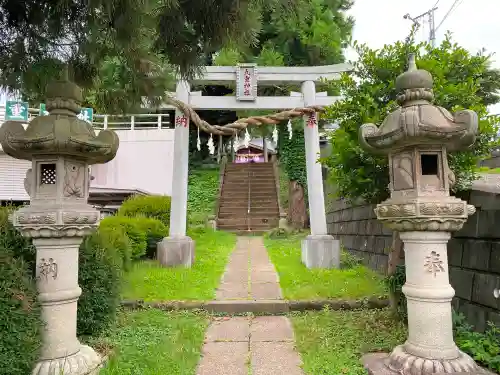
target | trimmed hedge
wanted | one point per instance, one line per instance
(100, 277)
(138, 238)
(155, 231)
(20, 313)
(144, 233)
(151, 206)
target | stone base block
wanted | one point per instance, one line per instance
(384, 364)
(283, 223)
(176, 251)
(85, 362)
(321, 252)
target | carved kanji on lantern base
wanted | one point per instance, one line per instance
(417, 137)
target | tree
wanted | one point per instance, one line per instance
(312, 33)
(129, 45)
(461, 81)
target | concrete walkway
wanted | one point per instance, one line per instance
(262, 345)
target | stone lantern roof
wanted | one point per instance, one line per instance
(417, 121)
(61, 133)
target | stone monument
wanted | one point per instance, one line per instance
(61, 148)
(417, 137)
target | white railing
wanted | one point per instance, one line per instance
(132, 122)
(116, 122)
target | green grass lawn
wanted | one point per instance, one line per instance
(203, 190)
(299, 283)
(332, 342)
(154, 342)
(150, 282)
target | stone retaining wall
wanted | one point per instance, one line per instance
(473, 252)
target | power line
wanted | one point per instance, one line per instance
(430, 15)
(455, 5)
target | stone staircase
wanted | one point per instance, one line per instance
(248, 200)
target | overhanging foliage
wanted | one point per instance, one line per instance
(461, 81)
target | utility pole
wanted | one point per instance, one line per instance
(430, 17)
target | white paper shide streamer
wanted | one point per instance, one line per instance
(246, 140)
(275, 135)
(198, 142)
(289, 128)
(210, 144)
(236, 143)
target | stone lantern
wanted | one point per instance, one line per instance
(416, 137)
(61, 148)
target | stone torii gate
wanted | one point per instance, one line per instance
(319, 250)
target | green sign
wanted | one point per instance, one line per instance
(86, 114)
(43, 111)
(16, 111)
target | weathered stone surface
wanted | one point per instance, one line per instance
(487, 224)
(228, 329)
(275, 358)
(271, 328)
(476, 255)
(321, 252)
(455, 252)
(176, 251)
(495, 257)
(224, 358)
(259, 291)
(461, 281)
(248, 306)
(232, 290)
(484, 284)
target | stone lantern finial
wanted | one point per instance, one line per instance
(414, 84)
(417, 137)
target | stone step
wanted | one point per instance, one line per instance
(243, 213)
(243, 202)
(252, 185)
(270, 208)
(245, 177)
(254, 222)
(266, 195)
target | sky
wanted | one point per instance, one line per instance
(473, 23)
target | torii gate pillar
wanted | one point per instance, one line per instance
(178, 249)
(319, 250)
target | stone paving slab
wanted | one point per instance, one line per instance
(229, 329)
(275, 358)
(262, 345)
(271, 328)
(265, 291)
(224, 358)
(232, 290)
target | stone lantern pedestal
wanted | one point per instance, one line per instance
(417, 137)
(61, 148)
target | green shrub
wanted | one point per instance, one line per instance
(20, 319)
(347, 260)
(138, 238)
(203, 189)
(483, 347)
(395, 284)
(155, 231)
(119, 243)
(11, 239)
(152, 206)
(100, 273)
